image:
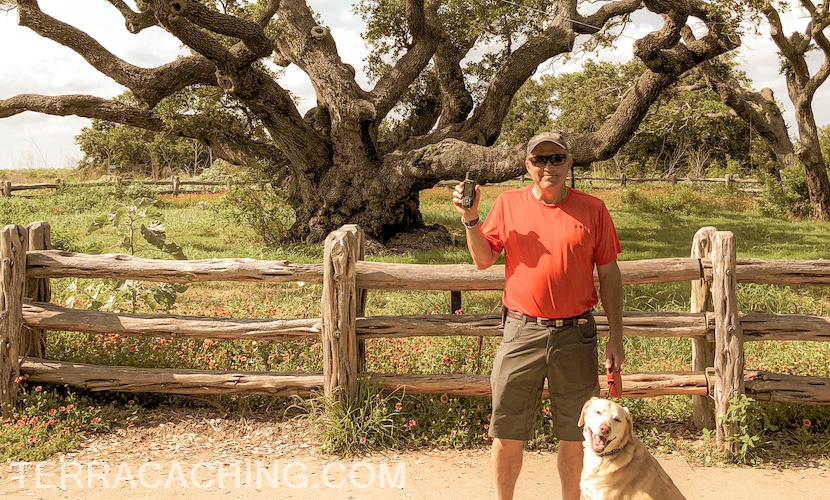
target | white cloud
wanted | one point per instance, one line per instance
(32, 64)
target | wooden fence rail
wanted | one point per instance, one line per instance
(718, 331)
(175, 183)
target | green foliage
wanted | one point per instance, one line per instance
(743, 412)
(682, 133)
(141, 218)
(679, 200)
(133, 223)
(265, 210)
(50, 420)
(824, 141)
(16, 210)
(367, 422)
(788, 196)
(200, 109)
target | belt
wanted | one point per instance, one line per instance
(574, 321)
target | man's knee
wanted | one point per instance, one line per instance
(507, 445)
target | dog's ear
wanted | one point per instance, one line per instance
(584, 409)
(628, 420)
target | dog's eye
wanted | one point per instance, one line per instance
(617, 419)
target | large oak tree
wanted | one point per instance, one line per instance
(362, 156)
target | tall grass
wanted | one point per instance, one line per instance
(651, 222)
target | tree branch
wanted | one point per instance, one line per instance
(228, 145)
(456, 101)
(593, 23)
(85, 106)
(134, 21)
(249, 32)
(393, 84)
(168, 14)
(148, 85)
(484, 126)
(758, 109)
(451, 159)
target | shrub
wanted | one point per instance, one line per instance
(789, 197)
(264, 209)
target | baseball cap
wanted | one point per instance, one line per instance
(554, 137)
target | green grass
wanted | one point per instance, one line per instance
(651, 222)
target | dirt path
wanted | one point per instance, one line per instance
(206, 458)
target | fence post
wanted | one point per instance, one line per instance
(361, 301)
(728, 180)
(7, 189)
(176, 185)
(339, 312)
(703, 351)
(455, 301)
(33, 340)
(12, 275)
(623, 180)
(729, 341)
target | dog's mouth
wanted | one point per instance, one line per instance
(599, 443)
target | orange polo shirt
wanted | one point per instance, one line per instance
(550, 250)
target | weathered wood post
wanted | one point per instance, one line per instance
(729, 338)
(455, 301)
(12, 275)
(339, 312)
(176, 185)
(728, 180)
(7, 189)
(362, 294)
(33, 340)
(623, 180)
(703, 352)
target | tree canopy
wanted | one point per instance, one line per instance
(445, 73)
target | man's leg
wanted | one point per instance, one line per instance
(507, 463)
(569, 460)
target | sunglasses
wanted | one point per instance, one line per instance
(554, 159)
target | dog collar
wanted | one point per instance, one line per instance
(612, 452)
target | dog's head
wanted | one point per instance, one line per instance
(607, 425)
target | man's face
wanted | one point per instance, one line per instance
(548, 176)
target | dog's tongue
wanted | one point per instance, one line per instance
(598, 443)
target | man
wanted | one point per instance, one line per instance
(552, 238)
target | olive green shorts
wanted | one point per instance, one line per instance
(529, 353)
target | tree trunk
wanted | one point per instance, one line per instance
(379, 200)
(809, 152)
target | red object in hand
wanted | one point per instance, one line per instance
(614, 383)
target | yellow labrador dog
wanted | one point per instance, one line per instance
(617, 465)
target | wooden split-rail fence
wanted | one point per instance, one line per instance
(177, 185)
(715, 326)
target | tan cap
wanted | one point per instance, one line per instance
(554, 137)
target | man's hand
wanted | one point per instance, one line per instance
(467, 213)
(614, 354)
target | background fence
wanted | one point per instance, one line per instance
(176, 184)
(714, 325)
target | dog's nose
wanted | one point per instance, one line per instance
(604, 429)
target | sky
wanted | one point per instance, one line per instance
(32, 64)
